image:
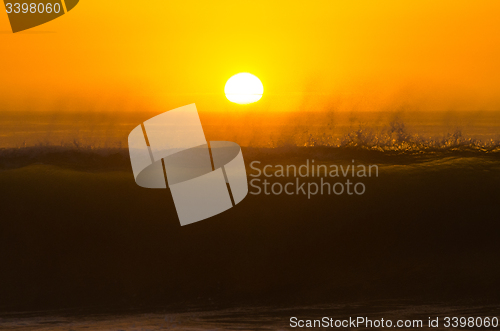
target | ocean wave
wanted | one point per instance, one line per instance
(359, 145)
(76, 156)
(395, 137)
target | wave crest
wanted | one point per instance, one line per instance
(394, 138)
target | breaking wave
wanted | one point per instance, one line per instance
(393, 138)
(392, 144)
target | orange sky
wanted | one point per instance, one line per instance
(127, 54)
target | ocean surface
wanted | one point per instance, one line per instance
(249, 318)
(97, 129)
(83, 247)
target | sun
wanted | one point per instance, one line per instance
(244, 88)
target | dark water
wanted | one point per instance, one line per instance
(77, 230)
(250, 318)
